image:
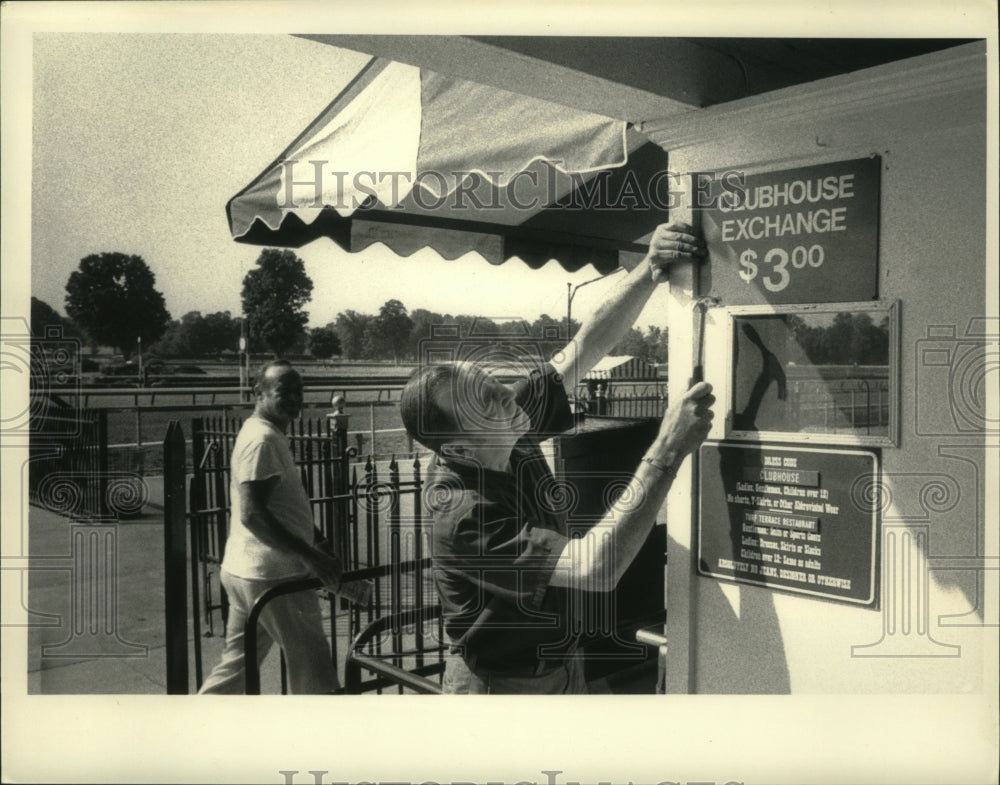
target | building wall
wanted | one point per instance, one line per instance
(734, 638)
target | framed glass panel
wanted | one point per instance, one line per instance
(825, 373)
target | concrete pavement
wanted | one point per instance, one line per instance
(97, 631)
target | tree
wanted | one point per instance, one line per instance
(324, 343)
(196, 335)
(273, 297)
(554, 326)
(219, 332)
(180, 337)
(424, 322)
(632, 344)
(114, 299)
(44, 317)
(656, 343)
(351, 328)
(172, 343)
(390, 331)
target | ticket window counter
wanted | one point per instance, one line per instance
(812, 374)
(596, 461)
(788, 483)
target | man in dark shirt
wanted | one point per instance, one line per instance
(503, 563)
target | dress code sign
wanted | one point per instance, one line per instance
(806, 235)
(798, 519)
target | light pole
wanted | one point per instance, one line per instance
(244, 363)
(138, 341)
(571, 293)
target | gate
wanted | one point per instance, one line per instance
(375, 525)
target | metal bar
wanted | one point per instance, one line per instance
(197, 570)
(341, 489)
(102, 507)
(251, 669)
(418, 577)
(374, 514)
(327, 459)
(393, 676)
(355, 533)
(302, 584)
(175, 558)
(395, 555)
(199, 535)
(396, 675)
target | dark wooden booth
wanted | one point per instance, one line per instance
(597, 460)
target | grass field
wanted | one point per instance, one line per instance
(147, 458)
(138, 418)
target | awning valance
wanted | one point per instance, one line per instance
(414, 159)
(622, 366)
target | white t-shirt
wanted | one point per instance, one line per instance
(262, 451)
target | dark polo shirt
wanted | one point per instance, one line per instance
(496, 539)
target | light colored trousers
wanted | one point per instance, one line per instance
(293, 621)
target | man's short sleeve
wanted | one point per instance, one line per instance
(543, 398)
(257, 459)
(515, 570)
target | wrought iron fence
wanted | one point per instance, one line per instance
(850, 405)
(71, 470)
(372, 515)
(628, 400)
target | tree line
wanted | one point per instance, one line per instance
(112, 300)
(850, 338)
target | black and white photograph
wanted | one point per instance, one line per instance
(632, 369)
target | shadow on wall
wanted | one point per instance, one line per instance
(934, 527)
(723, 647)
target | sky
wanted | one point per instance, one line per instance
(139, 140)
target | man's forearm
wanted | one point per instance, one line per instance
(610, 323)
(670, 244)
(597, 561)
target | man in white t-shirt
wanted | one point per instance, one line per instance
(270, 542)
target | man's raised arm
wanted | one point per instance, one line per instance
(671, 243)
(597, 561)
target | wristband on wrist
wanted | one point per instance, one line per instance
(669, 471)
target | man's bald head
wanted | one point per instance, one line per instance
(279, 393)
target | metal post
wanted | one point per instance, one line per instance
(571, 293)
(175, 556)
(341, 483)
(418, 576)
(196, 578)
(569, 309)
(103, 508)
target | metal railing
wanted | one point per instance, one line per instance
(71, 470)
(409, 631)
(839, 404)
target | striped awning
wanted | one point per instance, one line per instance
(622, 366)
(413, 159)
